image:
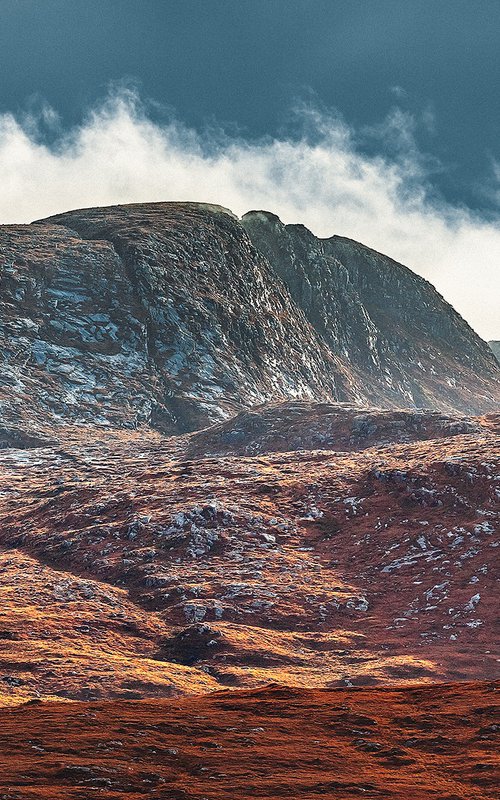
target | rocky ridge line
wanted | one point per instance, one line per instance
(389, 324)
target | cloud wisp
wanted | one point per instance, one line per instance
(321, 178)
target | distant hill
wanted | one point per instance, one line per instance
(387, 323)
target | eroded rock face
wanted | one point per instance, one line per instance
(166, 315)
(73, 332)
(162, 314)
(384, 321)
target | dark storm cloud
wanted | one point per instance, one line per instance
(244, 62)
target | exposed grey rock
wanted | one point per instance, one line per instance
(385, 322)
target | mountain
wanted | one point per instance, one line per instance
(177, 315)
(159, 314)
(216, 476)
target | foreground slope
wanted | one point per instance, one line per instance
(420, 743)
(149, 569)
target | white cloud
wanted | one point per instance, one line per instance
(119, 155)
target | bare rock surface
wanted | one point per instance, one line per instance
(211, 328)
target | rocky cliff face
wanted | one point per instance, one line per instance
(384, 321)
(178, 315)
(162, 314)
(320, 546)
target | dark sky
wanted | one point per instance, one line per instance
(247, 61)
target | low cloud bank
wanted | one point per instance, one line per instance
(320, 178)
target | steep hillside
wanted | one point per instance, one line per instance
(160, 314)
(134, 566)
(412, 348)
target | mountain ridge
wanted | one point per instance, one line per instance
(376, 310)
